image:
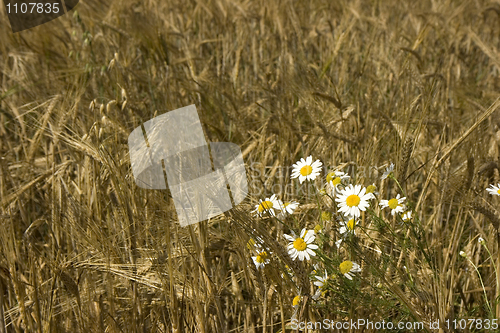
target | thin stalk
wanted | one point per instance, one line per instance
(482, 284)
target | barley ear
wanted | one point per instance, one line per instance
(489, 212)
(405, 159)
(470, 173)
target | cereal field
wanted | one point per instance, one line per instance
(370, 132)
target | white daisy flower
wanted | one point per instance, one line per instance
(353, 199)
(268, 206)
(463, 254)
(288, 207)
(388, 171)
(334, 179)
(406, 217)
(305, 169)
(347, 268)
(321, 281)
(481, 241)
(494, 190)
(395, 204)
(261, 259)
(301, 247)
(347, 226)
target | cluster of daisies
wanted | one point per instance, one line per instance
(353, 199)
(275, 207)
(350, 199)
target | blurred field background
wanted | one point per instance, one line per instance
(353, 83)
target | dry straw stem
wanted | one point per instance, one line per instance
(470, 174)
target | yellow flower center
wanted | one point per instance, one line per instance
(317, 228)
(393, 203)
(371, 188)
(286, 204)
(296, 301)
(353, 200)
(299, 244)
(350, 224)
(498, 191)
(261, 257)
(265, 205)
(330, 176)
(345, 267)
(306, 170)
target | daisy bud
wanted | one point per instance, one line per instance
(371, 188)
(326, 216)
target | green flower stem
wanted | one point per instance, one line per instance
(482, 284)
(496, 276)
(391, 175)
